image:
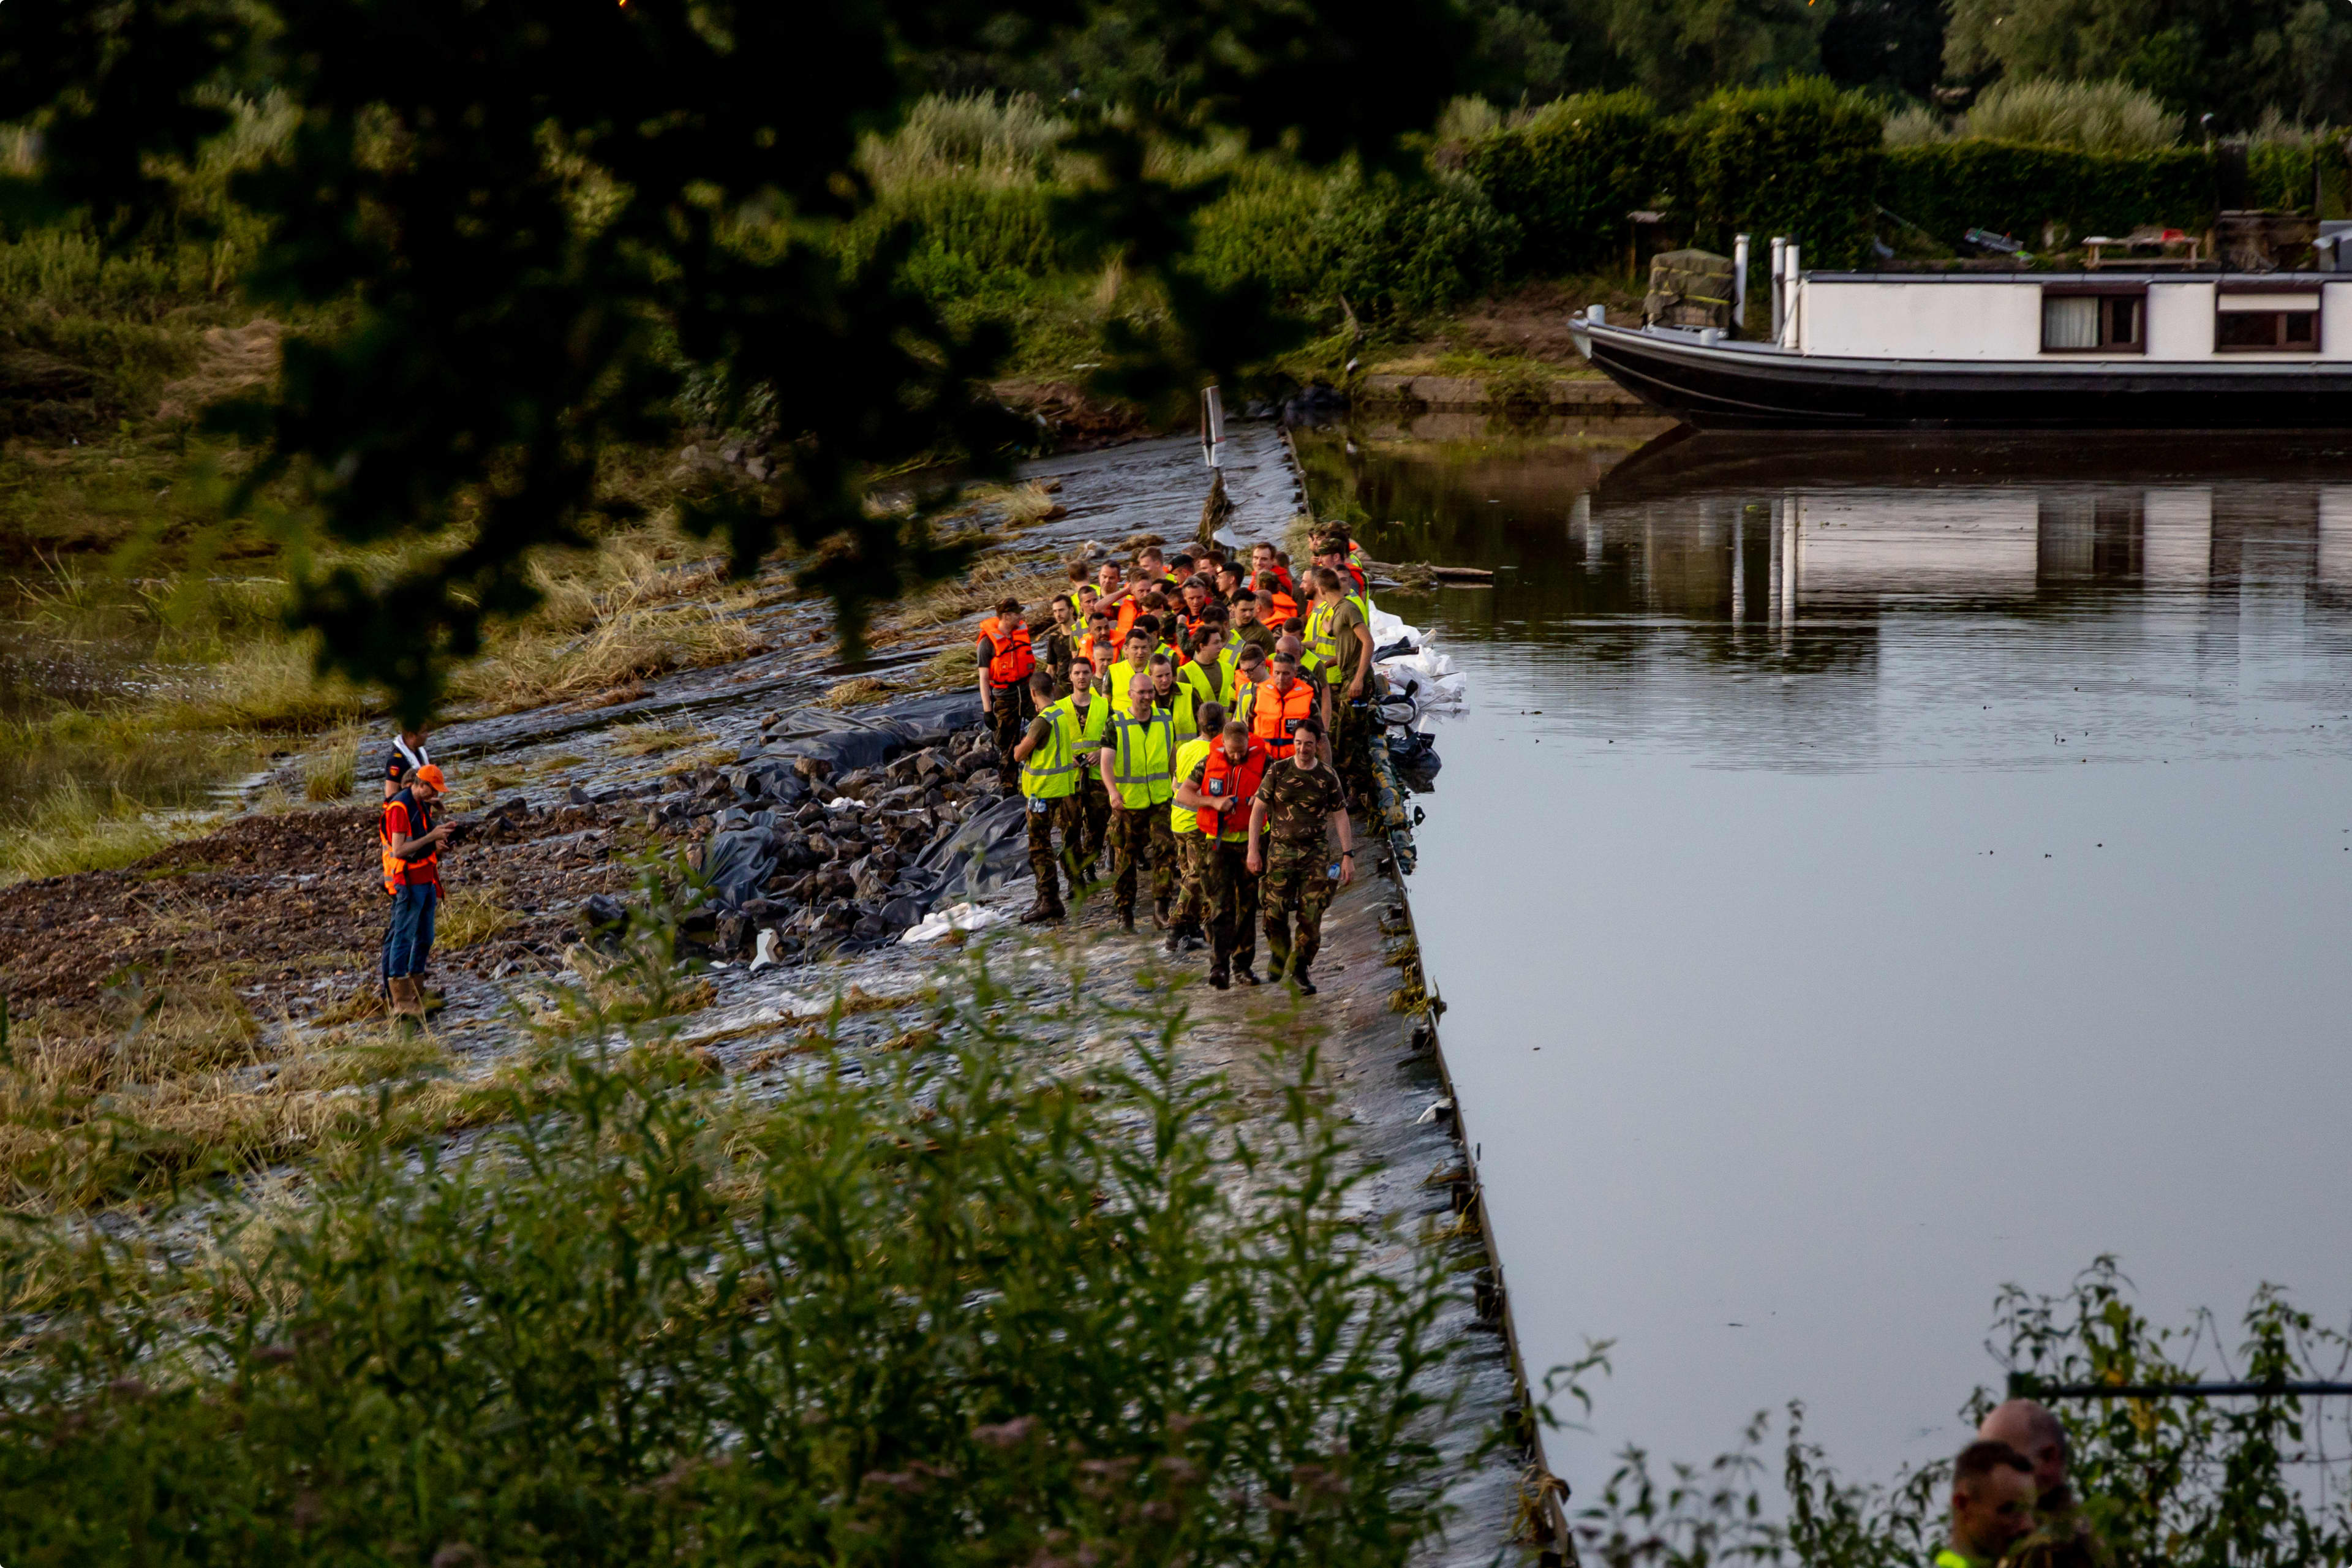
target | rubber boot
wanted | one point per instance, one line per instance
(407, 1002)
(1042, 913)
(1219, 978)
(1247, 975)
(1298, 977)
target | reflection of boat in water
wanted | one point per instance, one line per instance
(1821, 523)
(1685, 460)
(2015, 351)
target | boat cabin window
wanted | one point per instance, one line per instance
(2108, 322)
(2266, 323)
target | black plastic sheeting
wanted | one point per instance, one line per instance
(978, 855)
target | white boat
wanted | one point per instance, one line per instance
(2158, 350)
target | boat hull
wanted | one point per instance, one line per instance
(1745, 388)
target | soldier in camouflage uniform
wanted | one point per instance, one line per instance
(1298, 802)
(1046, 780)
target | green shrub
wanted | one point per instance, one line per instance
(1571, 172)
(1270, 226)
(1947, 188)
(1801, 159)
(1399, 248)
(939, 1306)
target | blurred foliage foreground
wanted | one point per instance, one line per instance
(933, 1304)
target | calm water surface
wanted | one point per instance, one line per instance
(1867, 878)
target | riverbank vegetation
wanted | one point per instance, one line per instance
(933, 1302)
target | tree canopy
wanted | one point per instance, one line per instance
(512, 234)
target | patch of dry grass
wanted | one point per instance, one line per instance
(652, 738)
(330, 772)
(855, 692)
(1033, 579)
(467, 917)
(535, 667)
(72, 829)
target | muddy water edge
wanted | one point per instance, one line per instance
(586, 791)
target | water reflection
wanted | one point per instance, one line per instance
(1870, 875)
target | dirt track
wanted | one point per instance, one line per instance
(290, 909)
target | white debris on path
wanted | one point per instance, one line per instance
(1443, 689)
(955, 917)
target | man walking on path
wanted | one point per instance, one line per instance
(410, 842)
(1049, 788)
(1342, 641)
(1222, 788)
(1196, 841)
(1993, 1505)
(1297, 802)
(1006, 662)
(1139, 766)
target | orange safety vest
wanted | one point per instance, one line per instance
(1222, 778)
(1275, 715)
(414, 820)
(1285, 609)
(1010, 660)
(1128, 610)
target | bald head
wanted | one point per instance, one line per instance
(2033, 1431)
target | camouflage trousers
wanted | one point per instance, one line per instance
(1294, 890)
(1352, 743)
(1011, 709)
(1232, 893)
(1096, 811)
(1193, 853)
(1066, 814)
(1142, 839)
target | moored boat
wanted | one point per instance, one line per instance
(2011, 350)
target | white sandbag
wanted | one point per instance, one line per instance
(955, 917)
(1439, 687)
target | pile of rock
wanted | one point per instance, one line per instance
(841, 862)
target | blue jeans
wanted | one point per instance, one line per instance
(410, 941)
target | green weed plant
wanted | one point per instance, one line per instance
(944, 1305)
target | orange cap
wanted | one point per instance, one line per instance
(431, 774)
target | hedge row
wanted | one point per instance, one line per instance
(1549, 196)
(1807, 160)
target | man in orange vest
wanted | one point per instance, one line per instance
(1277, 706)
(1219, 790)
(1006, 662)
(410, 842)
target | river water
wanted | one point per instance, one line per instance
(1866, 877)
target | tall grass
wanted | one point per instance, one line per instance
(2094, 116)
(933, 1305)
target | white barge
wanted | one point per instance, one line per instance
(2008, 350)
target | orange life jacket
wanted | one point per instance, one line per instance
(1010, 660)
(414, 820)
(1275, 715)
(1286, 610)
(1235, 783)
(1128, 610)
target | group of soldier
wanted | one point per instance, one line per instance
(1203, 720)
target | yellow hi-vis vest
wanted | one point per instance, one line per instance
(1211, 680)
(1181, 711)
(1059, 766)
(1143, 761)
(1117, 680)
(1181, 819)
